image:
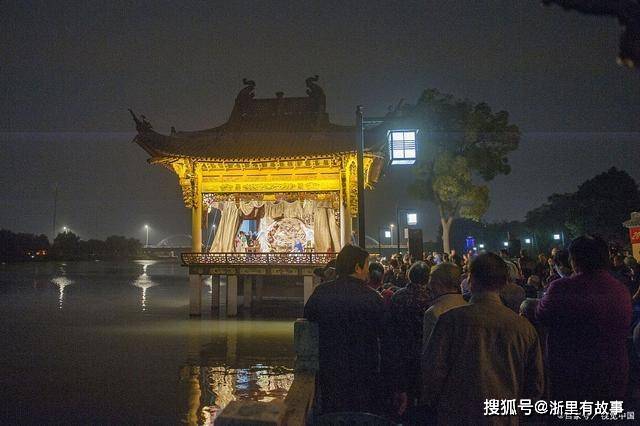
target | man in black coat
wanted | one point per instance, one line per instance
(349, 316)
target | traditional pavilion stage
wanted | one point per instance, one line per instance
(276, 186)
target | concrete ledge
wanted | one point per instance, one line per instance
(252, 413)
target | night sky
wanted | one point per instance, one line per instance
(70, 70)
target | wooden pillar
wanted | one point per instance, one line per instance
(195, 295)
(215, 293)
(232, 295)
(308, 287)
(247, 293)
(345, 222)
(195, 281)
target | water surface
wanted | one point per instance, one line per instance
(111, 342)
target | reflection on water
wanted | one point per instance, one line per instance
(212, 388)
(144, 282)
(235, 366)
(61, 282)
(120, 365)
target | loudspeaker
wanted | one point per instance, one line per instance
(415, 243)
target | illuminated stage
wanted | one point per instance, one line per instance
(278, 162)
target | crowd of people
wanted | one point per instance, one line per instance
(433, 340)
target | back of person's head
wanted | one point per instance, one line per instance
(504, 252)
(394, 263)
(446, 276)
(534, 281)
(348, 258)
(631, 262)
(376, 272)
(528, 308)
(488, 272)
(419, 273)
(562, 258)
(589, 254)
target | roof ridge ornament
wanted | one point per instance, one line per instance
(316, 93)
(245, 96)
(143, 125)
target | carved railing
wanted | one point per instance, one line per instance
(258, 259)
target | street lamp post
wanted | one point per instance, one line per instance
(146, 227)
(404, 147)
(413, 221)
(360, 167)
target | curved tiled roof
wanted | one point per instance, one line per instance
(259, 128)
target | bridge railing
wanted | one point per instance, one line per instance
(266, 259)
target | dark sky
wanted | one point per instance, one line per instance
(69, 70)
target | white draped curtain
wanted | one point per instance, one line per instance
(320, 215)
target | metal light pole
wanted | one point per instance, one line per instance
(397, 228)
(360, 166)
(147, 228)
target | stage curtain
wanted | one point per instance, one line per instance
(227, 228)
(318, 214)
(326, 234)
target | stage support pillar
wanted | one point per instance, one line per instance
(308, 287)
(345, 222)
(195, 295)
(215, 293)
(259, 288)
(247, 293)
(232, 295)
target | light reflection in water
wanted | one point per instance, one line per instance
(144, 283)
(248, 361)
(210, 389)
(61, 282)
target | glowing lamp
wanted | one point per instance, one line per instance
(412, 218)
(387, 234)
(527, 240)
(556, 236)
(506, 244)
(402, 146)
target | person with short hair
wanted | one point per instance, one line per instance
(349, 316)
(587, 316)
(444, 289)
(481, 351)
(403, 336)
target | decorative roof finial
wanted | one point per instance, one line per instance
(246, 95)
(141, 125)
(316, 93)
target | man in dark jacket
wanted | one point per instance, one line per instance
(588, 317)
(349, 316)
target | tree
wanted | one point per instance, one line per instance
(602, 203)
(463, 142)
(628, 14)
(66, 246)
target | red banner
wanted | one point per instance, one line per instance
(634, 235)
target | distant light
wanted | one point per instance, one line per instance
(387, 234)
(506, 244)
(481, 246)
(402, 146)
(412, 218)
(527, 240)
(392, 225)
(146, 226)
(65, 229)
(556, 236)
